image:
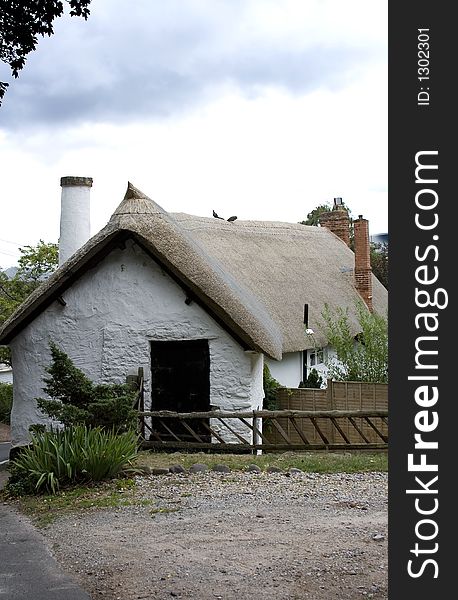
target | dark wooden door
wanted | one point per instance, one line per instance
(180, 382)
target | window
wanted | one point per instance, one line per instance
(316, 357)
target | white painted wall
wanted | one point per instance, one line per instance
(111, 315)
(257, 397)
(287, 371)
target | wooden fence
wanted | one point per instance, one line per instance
(344, 416)
(347, 396)
(258, 430)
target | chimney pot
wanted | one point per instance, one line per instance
(75, 181)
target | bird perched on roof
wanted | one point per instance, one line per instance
(217, 216)
(232, 219)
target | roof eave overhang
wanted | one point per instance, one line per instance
(23, 316)
(116, 239)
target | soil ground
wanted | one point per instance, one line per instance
(266, 536)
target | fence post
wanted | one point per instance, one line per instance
(255, 433)
(141, 404)
(331, 406)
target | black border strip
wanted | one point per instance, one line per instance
(421, 125)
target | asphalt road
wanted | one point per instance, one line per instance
(4, 451)
(27, 569)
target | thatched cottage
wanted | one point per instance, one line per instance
(199, 303)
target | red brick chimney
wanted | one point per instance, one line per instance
(363, 271)
(337, 221)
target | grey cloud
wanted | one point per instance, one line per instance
(119, 67)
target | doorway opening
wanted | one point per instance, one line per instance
(180, 382)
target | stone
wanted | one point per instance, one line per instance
(221, 469)
(274, 470)
(177, 469)
(198, 468)
(253, 468)
(294, 471)
(378, 537)
(160, 471)
(144, 470)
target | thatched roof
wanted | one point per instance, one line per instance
(254, 277)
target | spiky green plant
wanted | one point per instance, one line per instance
(69, 456)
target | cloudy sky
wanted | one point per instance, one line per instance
(259, 108)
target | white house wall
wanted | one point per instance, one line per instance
(287, 371)
(112, 313)
(257, 398)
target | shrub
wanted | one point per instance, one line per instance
(73, 455)
(360, 358)
(314, 380)
(6, 402)
(271, 386)
(76, 400)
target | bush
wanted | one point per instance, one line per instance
(6, 402)
(314, 380)
(271, 386)
(76, 400)
(360, 358)
(73, 455)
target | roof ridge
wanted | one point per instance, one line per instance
(136, 202)
(133, 192)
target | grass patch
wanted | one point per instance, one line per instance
(310, 462)
(122, 492)
(44, 510)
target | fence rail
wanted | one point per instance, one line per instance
(265, 430)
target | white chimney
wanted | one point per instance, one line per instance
(75, 225)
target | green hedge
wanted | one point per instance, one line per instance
(6, 402)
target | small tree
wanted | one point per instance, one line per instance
(271, 386)
(360, 358)
(76, 400)
(314, 380)
(314, 216)
(37, 262)
(379, 262)
(35, 265)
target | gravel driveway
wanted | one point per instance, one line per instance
(234, 536)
